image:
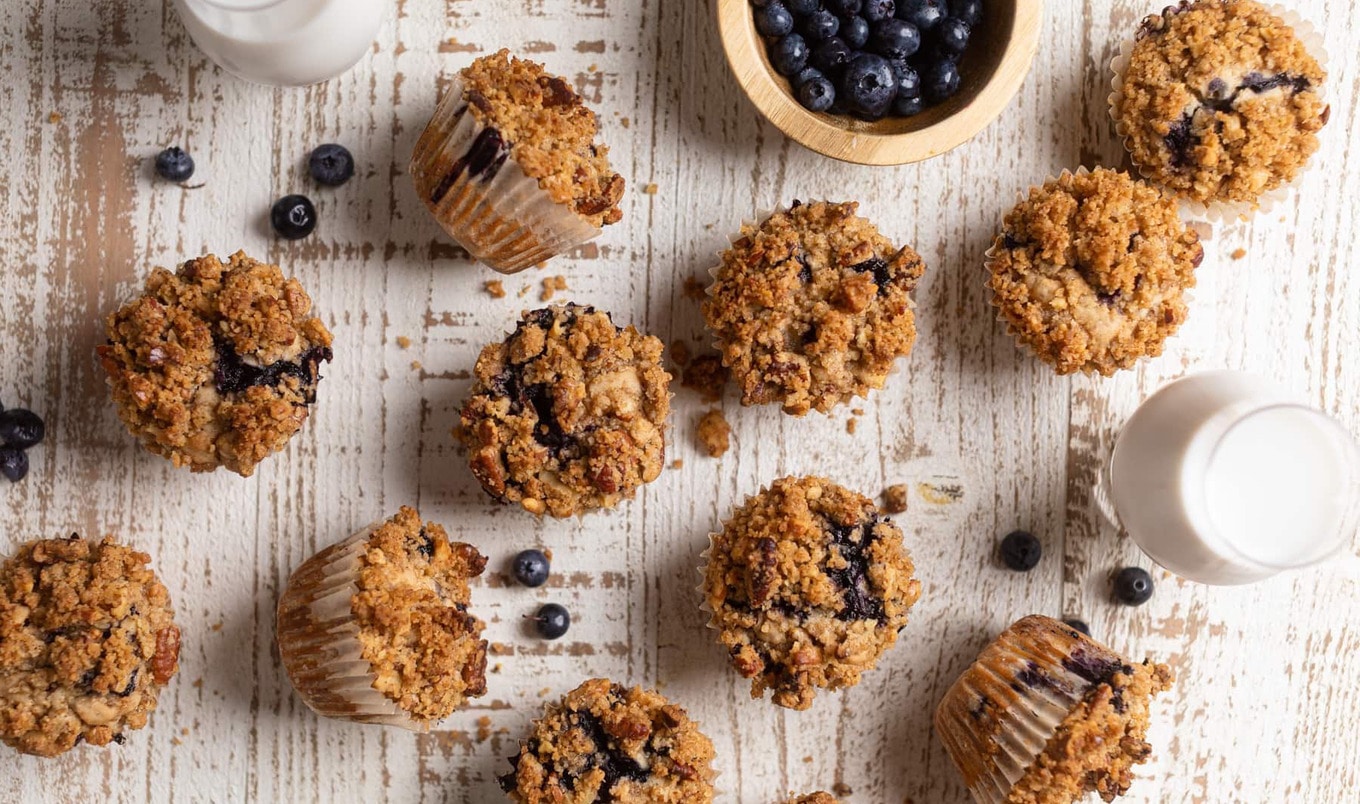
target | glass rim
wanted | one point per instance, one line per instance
(241, 5)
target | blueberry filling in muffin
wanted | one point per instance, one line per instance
(234, 375)
(483, 160)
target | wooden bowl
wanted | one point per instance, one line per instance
(994, 66)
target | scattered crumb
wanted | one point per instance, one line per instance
(215, 627)
(649, 189)
(198, 683)
(403, 342)
(416, 366)
(594, 68)
(850, 425)
(680, 353)
(715, 434)
(707, 375)
(543, 692)
(841, 789)
(524, 291)
(539, 266)
(184, 731)
(626, 123)
(551, 285)
(695, 288)
(495, 288)
(807, 759)
(54, 117)
(176, 741)
(547, 553)
(1239, 254)
(496, 668)
(895, 498)
(483, 728)
(677, 464)
(857, 411)
(501, 649)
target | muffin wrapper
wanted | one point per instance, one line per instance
(506, 221)
(1218, 211)
(1029, 692)
(319, 645)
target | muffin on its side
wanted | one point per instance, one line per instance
(603, 742)
(87, 641)
(568, 414)
(811, 307)
(1047, 716)
(376, 628)
(808, 585)
(216, 364)
(1090, 271)
(1220, 101)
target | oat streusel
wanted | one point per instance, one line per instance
(1220, 101)
(87, 640)
(216, 364)
(603, 742)
(812, 306)
(1090, 270)
(808, 586)
(568, 414)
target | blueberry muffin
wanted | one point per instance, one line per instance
(1091, 269)
(87, 641)
(808, 585)
(603, 742)
(1220, 101)
(568, 414)
(376, 629)
(811, 307)
(216, 365)
(1047, 716)
(510, 167)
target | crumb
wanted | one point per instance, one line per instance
(416, 366)
(649, 189)
(895, 498)
(707, 375)
(524, 291)
(594, 68)
(216, 627)
(495, 288)
(198, 683)
(626, 123)
(547, 553)
(496, 668)
(501, 649)
(850, 425)
(807, 759)
(544, 691)
(677, 464)
(715, 434)
(695, 288)
(483, 728)
(54, 117)
(176, 741)
(551, 285)
(539, 266)
(857, 411)
(680, 353)
(184, 731)
(841, 789)
(1239, 254)
(403, 342)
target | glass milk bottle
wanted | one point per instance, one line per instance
(1223, 478)
(284, 42)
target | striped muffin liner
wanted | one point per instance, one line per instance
(318, 640)
(1217, 212)
(465, 175)
(998, 717)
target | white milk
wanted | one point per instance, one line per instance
(1222, 478)
(284, 42)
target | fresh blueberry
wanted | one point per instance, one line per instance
(331, 164)
(941, 81)
(869, 85)
(878, 10)
(21, 428)
(855, 32)
(805, 75)
(1021, 551)
(173, 164)
(552, 621)
(908, 105)
(952, 36)
(817, 93)
(908, 80)
(894, 39)
(844, 8)
(13, 463)
(774, 19)
(1079, 626)
(924, 14)
(801, 8)
(531, 568)
(1133, 586)
(970, 11)
(789, 54)
(293, 217)
(819, 26)
(830, 56)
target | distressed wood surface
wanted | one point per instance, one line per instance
(988, 438)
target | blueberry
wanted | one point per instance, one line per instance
(878, 10)
(908, 105)
(817, 93)
(894, 39)
(820, 25)
(952, 36)
(1078, 625)
(789, 54)
(13, 463)
(970, 11)
(1021, 551)
(1133, 586)
(293, 217)
(941, 81)
(830, 56)
(869, 85)
(21, 428)
(844, 8)
(774, 19)
(331, 164)
(552, 621)
(805, 75)
(855, 32)
(531, 568)
(908, 80)
(924, 14)
(801, 8)
(173, 164)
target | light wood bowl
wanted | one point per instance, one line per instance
(994, 66)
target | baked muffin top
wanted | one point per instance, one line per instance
(811, 307)
(1090, 271)
(1220, 101)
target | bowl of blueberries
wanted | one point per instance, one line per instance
(880, 82)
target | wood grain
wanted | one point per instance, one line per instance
(987, 438)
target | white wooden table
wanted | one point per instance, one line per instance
(988, 438)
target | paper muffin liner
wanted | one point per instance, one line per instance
(1218, 211)
(464, 174)
(319, 645)
(998, 717)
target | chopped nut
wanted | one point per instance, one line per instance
(495, 288)
(895, 498)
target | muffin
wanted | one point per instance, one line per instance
(1219, 101)
(808, 585)
(819, 797)
(1047, 716)
(509, 165)
(1091, 269)
(216, 365)
(811, 307)
(376, 629)
(87, 641)
(568, 414)
(602, 742)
